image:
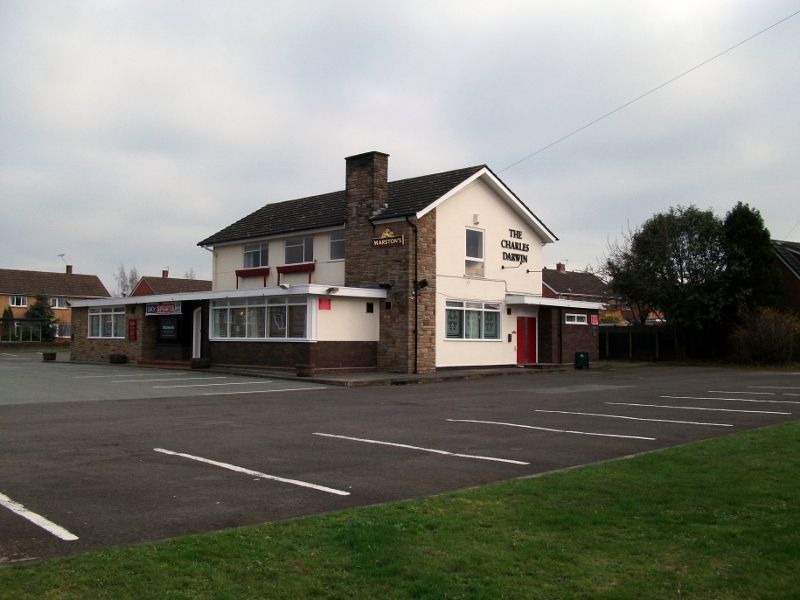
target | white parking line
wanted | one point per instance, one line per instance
(433, 451)
(258, 474)
(192, 385)
(763, 412)
(775, 387)
(564, 412)
(300, 389)
(749, 393)
(202, 378)
(38, 520)
(125, 375)
(733, 399)
(629, 437)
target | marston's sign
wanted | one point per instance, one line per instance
(388, 238)
(162, 308)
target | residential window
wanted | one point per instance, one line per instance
(472, 320)
(256, 255)
(107, 322)
(337, 245)
(574, 319)
(259, 318)
(58, 302)
(299, 250)
(473, 265)
(19, 301)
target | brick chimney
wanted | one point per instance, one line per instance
(164, 273)
(366, 184)
(69, 269)
(561, 267)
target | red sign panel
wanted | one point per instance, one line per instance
(595, 320)
(324, 303)
(132, 330)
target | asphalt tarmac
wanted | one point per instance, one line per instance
(98, 456)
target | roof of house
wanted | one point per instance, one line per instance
(169, 285)
(574, 282)
(789, 254)
(405, 197)
(69, 285)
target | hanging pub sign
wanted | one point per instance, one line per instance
(388, 238)
(162, 308)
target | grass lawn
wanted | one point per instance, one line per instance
(716, 519)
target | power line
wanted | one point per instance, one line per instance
(786, 237)
(655, 89)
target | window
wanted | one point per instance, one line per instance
(58, 302)
(299, 250)
(472, 320)
(572, 319)
(259, 318)
(337, 245)
(256, 255)
(107, 322)
(473, 265)
(19, 301)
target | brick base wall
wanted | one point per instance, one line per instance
(287, 355)
(86, 349)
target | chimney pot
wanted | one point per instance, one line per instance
(69, 269)
(561, 267)
(164, 273)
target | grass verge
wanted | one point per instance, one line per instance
(711, 520)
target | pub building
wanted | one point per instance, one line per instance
(411, 276)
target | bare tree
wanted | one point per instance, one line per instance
(126, 279)
(190, 274)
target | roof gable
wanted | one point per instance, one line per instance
(574, 282)
(68, 285)
(789, 254)
(406, 197)
(147, 286)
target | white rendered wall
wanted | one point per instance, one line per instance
(228, 258)
(495, 218)
(348, 320)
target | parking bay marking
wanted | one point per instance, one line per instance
(564, 412)
(299, 389)
(733, 399)
(763, 412)
(431, 450)
(124, 375)
(38, 520)
(258, 474)
(192, 385)
(775, 387)
(614, 435)
(203, 378)
(751, 393)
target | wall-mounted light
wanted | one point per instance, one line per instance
(332, 290)
(422, 283)
(476, 219)
(284, 286)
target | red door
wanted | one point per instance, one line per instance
(526, 340)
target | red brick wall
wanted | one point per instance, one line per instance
(559, 341)
(85, 349)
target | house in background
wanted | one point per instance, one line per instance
(19, 288)
(587, 287)
(787, 255)
(151, 286)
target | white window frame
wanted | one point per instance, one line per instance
(306, 243)
(117, 325)
(58, 303)
(261, 250)
(576, 319)
(16, 302)
(337, 237)
(475, 262)
(479, 309)
(225, 309)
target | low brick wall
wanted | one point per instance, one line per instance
(287, 355)
(85, 349)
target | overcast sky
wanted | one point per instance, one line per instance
(131, 130)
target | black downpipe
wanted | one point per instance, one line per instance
(416, 297)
